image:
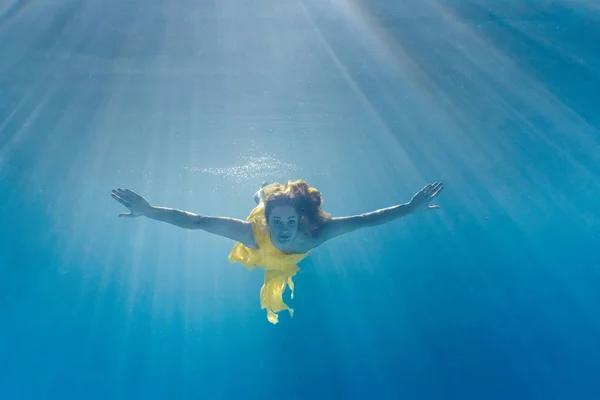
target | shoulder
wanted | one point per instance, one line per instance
(334, 227)
(321, 233)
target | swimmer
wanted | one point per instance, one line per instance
(286, 224)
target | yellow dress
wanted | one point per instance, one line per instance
(279, 267)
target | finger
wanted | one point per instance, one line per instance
(434, 207)
(116, 193)
(115, 196)
(120, 193)
(128, 196)
(133, 195)
(124, 193)
(120, 200)
(127, 215)
(437, 192)
(434, 187)
(427, 190)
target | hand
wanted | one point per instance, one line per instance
(421, 199)
(136, 204)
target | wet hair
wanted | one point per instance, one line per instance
(304, 199)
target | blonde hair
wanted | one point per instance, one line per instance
(304, 199)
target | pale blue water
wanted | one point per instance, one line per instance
(194, 104)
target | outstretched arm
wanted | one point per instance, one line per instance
(235, 229)
(342, 225)
(232, 228)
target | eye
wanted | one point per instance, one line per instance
(292, 222)
(277, 222)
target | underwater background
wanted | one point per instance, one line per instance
(193, 104)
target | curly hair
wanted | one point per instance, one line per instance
(304, 199)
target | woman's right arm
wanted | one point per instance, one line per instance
(235, 229)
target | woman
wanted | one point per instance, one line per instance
(287, 223)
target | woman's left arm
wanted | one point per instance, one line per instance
(342, 225)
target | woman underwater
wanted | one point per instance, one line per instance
(287, 223)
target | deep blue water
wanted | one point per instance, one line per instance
(194, 104)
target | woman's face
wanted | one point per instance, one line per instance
(283, 224)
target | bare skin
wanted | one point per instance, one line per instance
(283, 223)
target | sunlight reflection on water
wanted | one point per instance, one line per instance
(250, 167)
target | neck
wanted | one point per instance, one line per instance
(284, 248)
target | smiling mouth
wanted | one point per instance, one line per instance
(284, 237)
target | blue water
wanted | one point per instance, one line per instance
(193, 104)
